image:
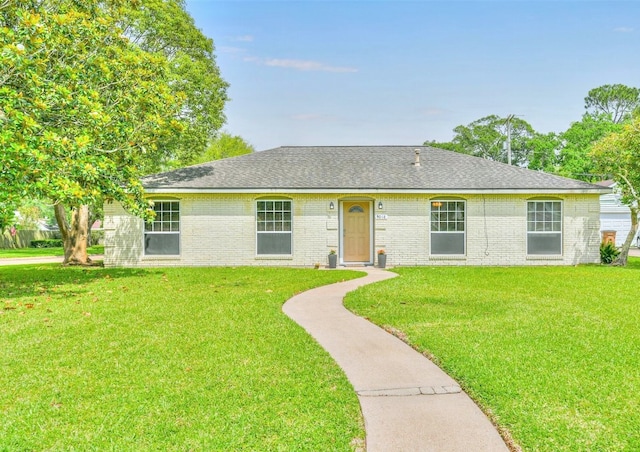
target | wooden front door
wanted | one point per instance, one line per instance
(356, 231)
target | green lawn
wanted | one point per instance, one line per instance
(41, 252)
(552, 352)
(175, 359)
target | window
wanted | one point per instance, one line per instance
(448, 227)
(273, 226)
(544, 227)
(162, 236)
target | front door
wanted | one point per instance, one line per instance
(356, 231)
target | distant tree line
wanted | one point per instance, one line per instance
(604, 144)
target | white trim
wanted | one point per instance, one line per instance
(464, 233)
(412, 191)
(256, 232)
(179, 233)
(341, 231)
(527, 231)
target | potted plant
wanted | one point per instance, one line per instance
(333, 259)
(382, 259)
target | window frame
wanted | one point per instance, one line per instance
(539, 227)
(282, 222)
(447, 221)
(162, 222)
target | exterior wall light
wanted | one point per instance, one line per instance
(332, 205)
(380, 205)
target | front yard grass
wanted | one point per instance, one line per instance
(172, 359)
(553, 353)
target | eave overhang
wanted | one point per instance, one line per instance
(411, 191)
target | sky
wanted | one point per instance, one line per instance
(322, 73)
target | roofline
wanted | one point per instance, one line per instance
(492, 191)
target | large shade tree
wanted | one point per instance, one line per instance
(81, 108)
(86, 109)
(619, 155)
(165, 27)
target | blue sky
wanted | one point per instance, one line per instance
(402, 72)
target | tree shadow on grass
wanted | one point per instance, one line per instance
(33, 280)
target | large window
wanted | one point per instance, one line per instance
(448, 227)
(273, 226)
(162, 236)
(544, 227)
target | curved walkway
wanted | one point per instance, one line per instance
(408, 403)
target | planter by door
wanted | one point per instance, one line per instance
(333, 260)
(382, 260)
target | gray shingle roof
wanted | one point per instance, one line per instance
(358, 168)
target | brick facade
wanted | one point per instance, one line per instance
(220, 230)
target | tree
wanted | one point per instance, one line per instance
(164, 26)
(223, 146)
(82, 109)
(33, 213)
(487, 138)
(619, 154)
(574, 157)
(448, 145)
(106, 91)
(617, 101)
(544, 154)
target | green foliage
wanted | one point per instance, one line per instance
(486, 138)
(33, 211)
(46, 243)
(544, 152)
(77, 133)
(619, 154)
(223, 146)
(165, 27)
(7, 217)
(198, 359)
(574, 157)
(551, 352)
(448, 145)
(617, 102)
(608, 253)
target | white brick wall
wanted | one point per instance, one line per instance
(220, 230)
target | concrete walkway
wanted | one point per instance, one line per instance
(41, 260)
(408, 403)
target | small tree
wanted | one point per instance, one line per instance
(223, 146)
(619, 154)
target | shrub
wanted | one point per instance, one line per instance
(48, 243)
(608, 253)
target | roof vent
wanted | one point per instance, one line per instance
(417, 161)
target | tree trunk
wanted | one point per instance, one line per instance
(624, 251)
(74, 236)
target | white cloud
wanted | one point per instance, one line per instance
(623, 30)
(313, 117)
(227, 49)
(244, 38)
(300, 65)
